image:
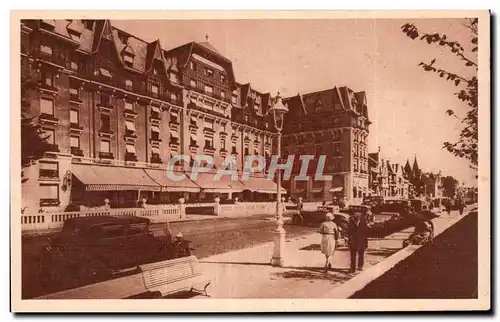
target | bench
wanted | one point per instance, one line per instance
(173, 276)
(166, 277)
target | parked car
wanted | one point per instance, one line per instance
(375, 202)
(94, 248)
(399, 206)
(363, 209)
(419, 205)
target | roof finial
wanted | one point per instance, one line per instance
(206, 37)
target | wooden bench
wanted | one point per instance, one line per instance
(176, 275)
(164, 278)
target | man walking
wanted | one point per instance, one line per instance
(358, 240)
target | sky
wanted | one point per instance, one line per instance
(406, 104)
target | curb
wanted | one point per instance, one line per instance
(360, 281)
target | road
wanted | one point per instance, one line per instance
(448, 269)
(209, 237)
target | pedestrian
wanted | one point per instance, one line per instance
(357, 232)
(300, 204)
(329, 235)
(448, 207)
(461, 206)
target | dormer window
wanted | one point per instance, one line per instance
(155, 71)
(104, 73)
(128, 84)
(75, 35)
(173, 97)
(223, 95)
(154, 90)
(234, 99)
(128, 59)
(222, 78)
(173, 77)
(46, 50)
(209, 72)
(74, 66)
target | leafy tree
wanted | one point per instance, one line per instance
(33, 142)
(449, 186)
(466, 146)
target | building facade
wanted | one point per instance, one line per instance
(115, 109)
(333, 123)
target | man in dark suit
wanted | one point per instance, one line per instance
(358, 239)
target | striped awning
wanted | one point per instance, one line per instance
(167, 183)
(261, 185)
(113, 178)
(208, 183)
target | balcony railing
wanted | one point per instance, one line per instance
(48, 174)
(46, 202)
(76, 151)
(106, 155)
(130, 157)
(52, 148)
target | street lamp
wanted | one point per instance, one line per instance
(278, 111)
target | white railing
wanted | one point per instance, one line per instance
(156, 213)
(49, 221)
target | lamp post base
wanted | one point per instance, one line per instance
(279, 247)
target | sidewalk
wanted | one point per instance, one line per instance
(247, 273)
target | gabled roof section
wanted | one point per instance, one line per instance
(338, 97)
(76, 26)
(102, 29)
(389, 167)
(266, 102)
(407, 167)
(245, 93)
(154, 51)
(374, 156)
(209, 46)
(361, 98)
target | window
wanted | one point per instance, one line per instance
(74, 117)
(336, 135)
(154, 90)
(233, 148)
(173, 77)
(112, 231)
(105, 100)
(128, 84)
(209, 72)
(209, 89)
(104, 73)
(223, 95)
(192, 83)
(209, 143)
(49, 136)
(155, 71)
(137, 229)
(75, 142)
(48, 78)
(191, 65)
(193, 122)
(105, 146)
(47, 106)
(49, 194)
(223, 144)
(155, 132)
(209, 125)
(46, 50)
(129, 127)
(73, 91)
(234, 99)
(74, 66)
(105, 123)
(155, 112)
(256, 106)
(246, 151)
(128, 59)
(193, 140)
(74, 35)
(130, 148)
(222, 78)
(49, 169)
(129, 106)
(174, 118)
(173, 97)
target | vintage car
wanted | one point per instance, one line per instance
(396, 206)
(419, 205)
(95, 248)
(375, 202)
(316, 216)
(365, 210)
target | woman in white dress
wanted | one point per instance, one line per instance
(329, 232)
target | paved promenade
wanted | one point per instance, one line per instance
(246, 273)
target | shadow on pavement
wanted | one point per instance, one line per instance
(236, 263)
(334, 275)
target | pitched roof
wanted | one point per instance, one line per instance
(209, 46)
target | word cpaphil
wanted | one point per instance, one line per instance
(252, 164)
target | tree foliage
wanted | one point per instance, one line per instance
(467, 144)
(33, 142)
(449, 186)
